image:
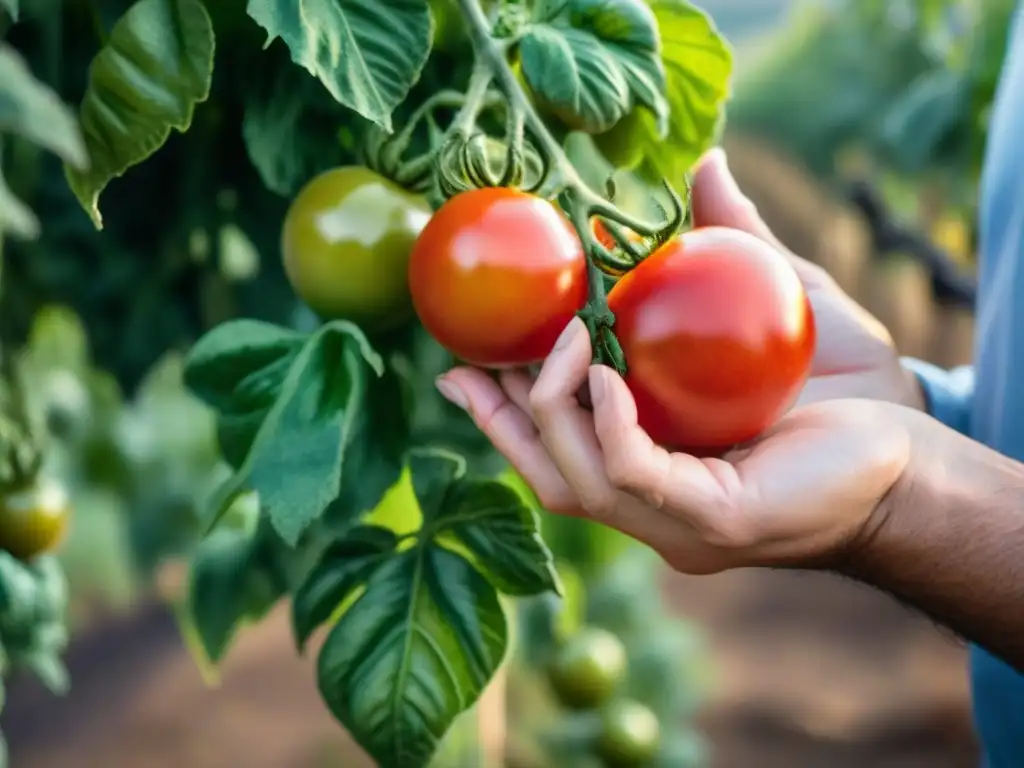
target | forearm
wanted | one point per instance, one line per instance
(949, 540)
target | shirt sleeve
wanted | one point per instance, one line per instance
(948, 394)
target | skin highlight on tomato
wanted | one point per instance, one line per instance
(630, 735)
(718, 336)
(346, 242)
(33, 520)
(496, 276)
(588, 668)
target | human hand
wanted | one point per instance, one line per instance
(801, 494)
(855, 356)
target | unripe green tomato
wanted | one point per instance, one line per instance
(346, 242)
(33, 519)
(588, 668)
(630, 735)
(620, 145)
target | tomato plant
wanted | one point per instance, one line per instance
(231, 161)
(496, 275)
(719, 335)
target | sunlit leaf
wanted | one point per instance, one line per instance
(367, 53)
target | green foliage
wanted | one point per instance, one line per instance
(914, 94)
(366, 53)
(33, 602)
(417, 644)
(698, 67)
(592, 62)
(300, 399)
(154, 68)
(289, 459)
(30, 109)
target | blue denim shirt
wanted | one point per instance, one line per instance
(986, 400)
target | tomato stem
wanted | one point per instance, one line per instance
(578, 200)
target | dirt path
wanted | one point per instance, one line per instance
(811, 672)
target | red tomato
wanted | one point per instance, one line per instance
(496, 275)
(718, 335)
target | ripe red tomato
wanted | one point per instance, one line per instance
(496, 275)
(718, 335)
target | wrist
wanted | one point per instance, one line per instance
(927, 508)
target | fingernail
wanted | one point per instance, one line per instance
(566, 336)
(596, 377)
(451, 393)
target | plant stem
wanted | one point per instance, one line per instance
(479, 81)
(579, 199)
(491, 53)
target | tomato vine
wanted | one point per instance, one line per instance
(352, 489)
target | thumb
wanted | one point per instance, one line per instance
(718, 201)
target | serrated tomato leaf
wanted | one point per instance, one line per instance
(156, 66)
(503, 533)
(239, 365)
(698, 65)
(434, 473)
(295, 461)
(290, 124)
(412, 653)
(419, 629)
(374, 451)
(344, 566)
(367, 53)
(591, 62)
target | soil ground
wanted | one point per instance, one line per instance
(811, 672)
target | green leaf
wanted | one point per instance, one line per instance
(227, 586)
(16, 217)
(591, 62)
(11, 6)
(34, 110)
(367, 53)
(374, 451)
(18, 593)
(343, 566)
(412, 653)
(50, 671)
(490, 518)
(419, 628)
(290, 124)
(238, 366)
(698, 64)
(502, 532)
(155, 67)
(935, 108)
(296, 459)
